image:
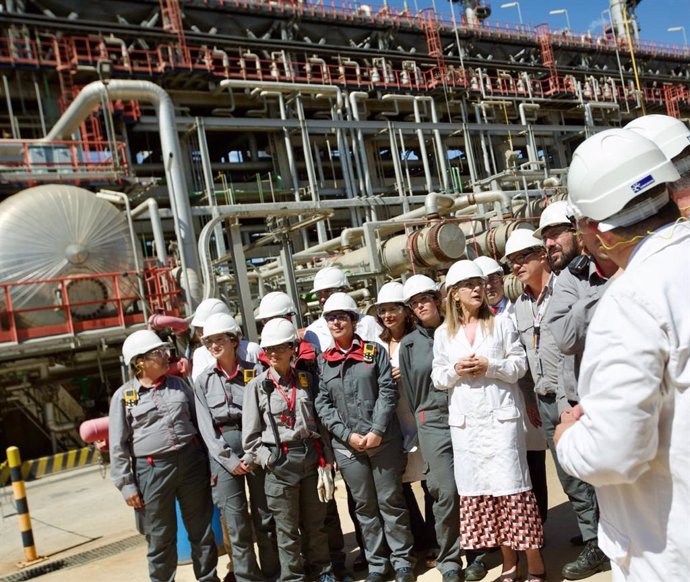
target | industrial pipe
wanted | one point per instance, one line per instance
(89, 99)
(177, 324)
(531, 145)
(151, 204)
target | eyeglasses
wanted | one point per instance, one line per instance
(334, 316)
(158, 353)
(471, 283)
(418, 300)
(523, 257)
(219, 340)
(383, 309)
(280, 347)
(494, 279)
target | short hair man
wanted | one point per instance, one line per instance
(527, 256)
(558, 235)
(630, 435)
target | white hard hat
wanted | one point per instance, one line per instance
(488, 266)
(220, 323)
(391, 293)
(670, 135)
(278, 331)
(340, 302)
(461, 271)
(139, 343)
(612, 168)
(330, 278)
(276, 304)
(554, 214)
(521, 239)
(208, 307)
(418, 284)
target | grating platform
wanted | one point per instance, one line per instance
(75, 560)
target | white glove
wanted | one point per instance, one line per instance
(325, 486)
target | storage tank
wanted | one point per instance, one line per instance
(57, 231)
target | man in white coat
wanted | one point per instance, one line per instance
(630, 434)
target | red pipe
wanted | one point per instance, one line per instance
(177, 324)
(95, 431)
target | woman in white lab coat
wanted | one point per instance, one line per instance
(479, 360)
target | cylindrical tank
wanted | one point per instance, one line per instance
(430, 247)
(57, 231)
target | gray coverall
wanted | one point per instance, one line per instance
(545, 359)
(219, 412)
(291, 466)
(155, 451)
(430, 407)
(360, 396)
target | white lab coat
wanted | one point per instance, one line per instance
(485, 414)
(633, 442)
(202, 358)
(318, 334)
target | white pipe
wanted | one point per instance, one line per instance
(354, 108)
(531, 145)
(123, 48)
(90, 98)
(440, 150)
(52, 424)
(329, 90)
(151, 204)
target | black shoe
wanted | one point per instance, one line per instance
(577, 541)
(230, 577)
(590, 561)
(342, 573)
(404, 575)
(375, 577)
(360, 562)
(475, 570)
(452, 576)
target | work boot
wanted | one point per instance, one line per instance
(476, 570)
(230, 577)
(342, 573)
(327, 578)
(404, 575)
(375, 577)
(452, 576)
(360, 562)
(590, 561)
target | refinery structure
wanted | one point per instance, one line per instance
(159, 152)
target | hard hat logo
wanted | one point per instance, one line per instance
(642, 185)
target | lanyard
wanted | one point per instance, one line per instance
(289, 418)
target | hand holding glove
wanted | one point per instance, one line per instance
(325, 486)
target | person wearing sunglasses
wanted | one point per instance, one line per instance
(527, 257)
(219, 392)
(328, 281)
(157, 458)
(282, 433)
(356, 402)
(478, 359)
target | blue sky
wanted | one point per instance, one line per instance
(654, 16)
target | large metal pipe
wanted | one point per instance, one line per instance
(151, 204)
(531, 145)
(364, 164)
(90, 98)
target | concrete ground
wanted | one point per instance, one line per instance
(79, 512)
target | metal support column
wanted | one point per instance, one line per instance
(242, 280)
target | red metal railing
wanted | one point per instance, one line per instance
(70, 161)
(60, 316)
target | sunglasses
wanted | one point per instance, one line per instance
(522, 258)
(341, 316)
(280, 347)
(158, 353)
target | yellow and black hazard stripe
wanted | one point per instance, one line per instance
(37, 468)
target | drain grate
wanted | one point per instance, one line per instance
(75, 560)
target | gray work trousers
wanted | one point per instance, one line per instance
(299, 515)
(581, 495)
(229, 494)
(375, 480)
(437, 450)
(184, 476)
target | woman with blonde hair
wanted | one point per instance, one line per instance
(479, 359)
